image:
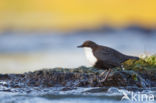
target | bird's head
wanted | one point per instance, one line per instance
(88, 43)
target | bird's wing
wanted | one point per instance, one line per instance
(108, 55)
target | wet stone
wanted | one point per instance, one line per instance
(79, 77)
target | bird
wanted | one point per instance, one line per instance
(103, 57)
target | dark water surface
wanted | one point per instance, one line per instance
(76, 95)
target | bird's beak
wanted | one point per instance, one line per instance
(80, 46)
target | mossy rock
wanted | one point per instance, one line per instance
(140, 73)
(147, 63)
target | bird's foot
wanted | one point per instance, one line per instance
(102, 80)
(105, 76)
(103, 73)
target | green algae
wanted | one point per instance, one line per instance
(143, 64)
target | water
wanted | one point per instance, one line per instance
(77, 95)
(27, 42)
(28, 51)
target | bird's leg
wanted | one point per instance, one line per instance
(106, 76)
(103, 73)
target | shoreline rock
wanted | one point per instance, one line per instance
(139, 74)
(79, 77)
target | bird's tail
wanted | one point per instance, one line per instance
(133, 57)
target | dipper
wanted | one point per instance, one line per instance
(103, 57)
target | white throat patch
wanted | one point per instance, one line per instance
(90, 56)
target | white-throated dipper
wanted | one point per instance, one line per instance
(103, 57)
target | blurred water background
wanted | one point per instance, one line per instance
(29, 51)
(37, 34)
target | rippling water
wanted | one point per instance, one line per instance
(77, 95)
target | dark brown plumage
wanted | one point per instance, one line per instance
(106, 57)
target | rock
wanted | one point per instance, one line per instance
(80, 77)
(136, 75)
